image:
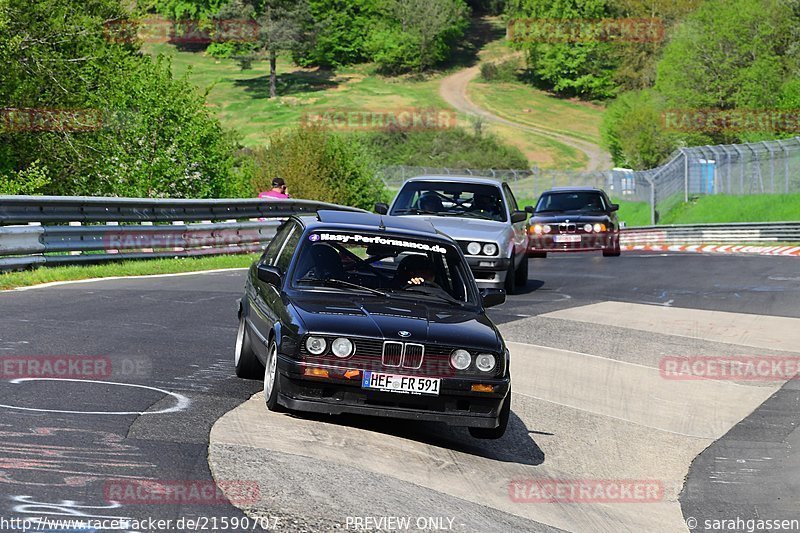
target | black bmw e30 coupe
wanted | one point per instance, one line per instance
(376, 315)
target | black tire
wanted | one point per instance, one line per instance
(511, 279)
(244, 358)
(272, 383)
(521, 276)
(500, 430)
(538, 255)
(615, 251)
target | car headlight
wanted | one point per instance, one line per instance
(342, 347)
(587, 228)
(538, 229)
(316, 345)
(599, 227)
(546, 228)
(485, 362)
(490, 249)
(460, 359)
(473, 248)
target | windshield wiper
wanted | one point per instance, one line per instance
(448, 299)
(416, 211)
(332, 282)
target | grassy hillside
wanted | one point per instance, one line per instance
(723, 208)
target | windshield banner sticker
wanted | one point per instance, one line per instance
(367, 239)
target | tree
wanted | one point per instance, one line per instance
(731, 54)
(583, 68)
(341, 28)
(416, 34)
(283, 27)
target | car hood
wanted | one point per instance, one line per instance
(465, 228)
(378, 317)
(556, 218)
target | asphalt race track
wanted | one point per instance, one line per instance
(587, 337)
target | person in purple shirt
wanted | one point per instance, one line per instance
(278, 191)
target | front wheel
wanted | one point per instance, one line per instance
(511, 278)
(271, 379)
(500, 430)
(244, 358)
(522, 273)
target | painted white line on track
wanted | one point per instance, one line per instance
(112, 278)
(181, 404)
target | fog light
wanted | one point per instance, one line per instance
(480, 387)
(316, 345)
(485, 362)
(460, 359)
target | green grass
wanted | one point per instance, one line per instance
(724, 208)
(27, 278)
(240, 97)
(524, 104)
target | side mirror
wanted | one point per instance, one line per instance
(269, 274)
(382, 208)
(529, 209)
(615, 207)
(519, 216)
(493, 297)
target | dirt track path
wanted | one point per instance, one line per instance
(454, 91)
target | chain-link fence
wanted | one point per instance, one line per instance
(768, 167)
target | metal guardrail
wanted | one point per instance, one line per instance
(732, 233)
(84, 230)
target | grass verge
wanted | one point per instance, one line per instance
(11, 280)
(724, 208)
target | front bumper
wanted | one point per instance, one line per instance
(588, 242)
(489, 272)
(456, 404)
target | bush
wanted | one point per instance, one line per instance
(319, 165)
(456, 148)
(28, 181)
(504, 71)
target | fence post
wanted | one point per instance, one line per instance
(685, 176)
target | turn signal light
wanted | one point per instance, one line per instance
(350, 374)
(316, 372)
(480, 387)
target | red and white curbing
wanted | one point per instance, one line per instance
(715, 249)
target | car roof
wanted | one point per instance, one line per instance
(458, 179)
(353, 221)
(574, 188)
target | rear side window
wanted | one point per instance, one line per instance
(287, 251)
(276, 244)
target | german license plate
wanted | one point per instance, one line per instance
(400, 384)
(567, 238)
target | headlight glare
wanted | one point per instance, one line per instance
(599, 227)
(537, 228)
(489, 248)
(460, 359)
(316, 345)
(485, 362)
(473, 248)
(342, 347)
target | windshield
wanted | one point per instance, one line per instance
(586, 201)
(471, 200)
(388, 265)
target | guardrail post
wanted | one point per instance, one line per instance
(75, 224)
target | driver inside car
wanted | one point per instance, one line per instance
(483, 203)
(414, 270)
